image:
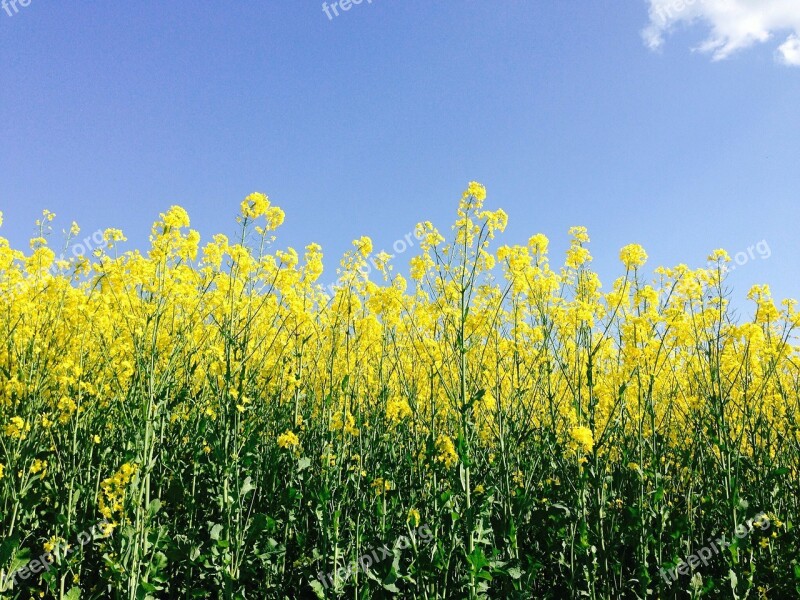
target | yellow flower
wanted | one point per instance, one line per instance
(475, 190)
(538, 243)
(346, 421)
(582, 438)
(579, 234)
(114, 235)
(255, 205)
(577, 255)
(397, 409)
(419, 267)
(364, 245)
(67, 406)
(773, 519)
(633, 256)
(719, 255)
(413, 517)
(447, 451)
(176, 217)
(274, 217)
(519, 478)
(2, 470)
(17, 428)
(113, 490)
(55, 542)
(39, 466)
(288, 440)
(381, 485)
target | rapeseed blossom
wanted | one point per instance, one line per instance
(288, 439)
(583, 438)
(235, 421)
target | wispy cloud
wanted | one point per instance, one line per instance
(734, 25)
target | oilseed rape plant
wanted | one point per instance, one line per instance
(243, 433)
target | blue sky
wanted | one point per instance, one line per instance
(679, 130)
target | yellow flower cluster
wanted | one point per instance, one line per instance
(113, 490)
(381, 485)
(447, 454)
(288, 439)
(17, 428)
(484, 356)
(344, 421)
(55, 542)
(397, 409)
(583, 439)
(633, 256)
(38, 466)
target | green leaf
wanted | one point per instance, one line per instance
(159, 561)
(318, 589)
(247, 486)
(19, 560)
(148, 587)
(477, 560)
(73, 594)
(7, 549)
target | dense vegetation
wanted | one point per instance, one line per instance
(209, 422)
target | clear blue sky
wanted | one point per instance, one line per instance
(369, 122)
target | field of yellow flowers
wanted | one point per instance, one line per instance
(207, 422)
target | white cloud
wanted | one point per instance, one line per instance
(789, 51)
(734, 24)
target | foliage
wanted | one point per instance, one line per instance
(246, 435)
